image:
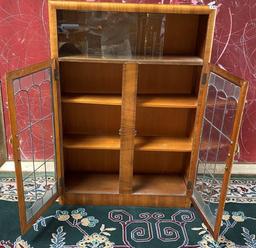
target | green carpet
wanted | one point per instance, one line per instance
(120, 227)
(73, 226)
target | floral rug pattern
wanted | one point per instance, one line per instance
(239, 190)
(127, 227)
(8, 190)
(168, 231)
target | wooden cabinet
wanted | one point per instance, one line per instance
(132, 112)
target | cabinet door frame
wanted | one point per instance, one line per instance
(24, 224)
(232, 147)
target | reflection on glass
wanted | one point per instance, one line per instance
(218, 122)
(35, 133)
(109, 34)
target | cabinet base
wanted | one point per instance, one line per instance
(126, 200)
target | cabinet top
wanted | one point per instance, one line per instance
(154, 6)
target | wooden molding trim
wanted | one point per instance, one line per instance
(131, 7)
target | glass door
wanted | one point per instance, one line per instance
(221, 122)
(30, 98)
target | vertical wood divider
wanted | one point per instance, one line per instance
(127, 130)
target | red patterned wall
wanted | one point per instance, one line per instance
(24, 40)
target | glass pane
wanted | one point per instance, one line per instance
(35, 133)
(107, 34)
(218, 122)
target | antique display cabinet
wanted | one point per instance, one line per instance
(128, 111)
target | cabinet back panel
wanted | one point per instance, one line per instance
(166, 79)
(91, 160)
(181, 34)
(202, 30)
(91, 119)
(90, 77)
(164, 122)
(160, 162)
(197, 78)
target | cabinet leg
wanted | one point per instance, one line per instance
(188, 203)
(61, 200)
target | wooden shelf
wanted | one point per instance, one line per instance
(167, 101)
(153, 101)
(162, 144)
(168, 60)
(159, 184)
(99, 142)
(146, 184)
(86, 182)
(101, 99)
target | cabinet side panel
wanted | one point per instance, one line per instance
(53, 30)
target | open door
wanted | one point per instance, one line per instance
(225, 101)
(31, 96)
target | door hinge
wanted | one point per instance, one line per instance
(189, 185)
(56, 74)
(204, 78)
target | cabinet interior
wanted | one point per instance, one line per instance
(168, 51)
(91, 96)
